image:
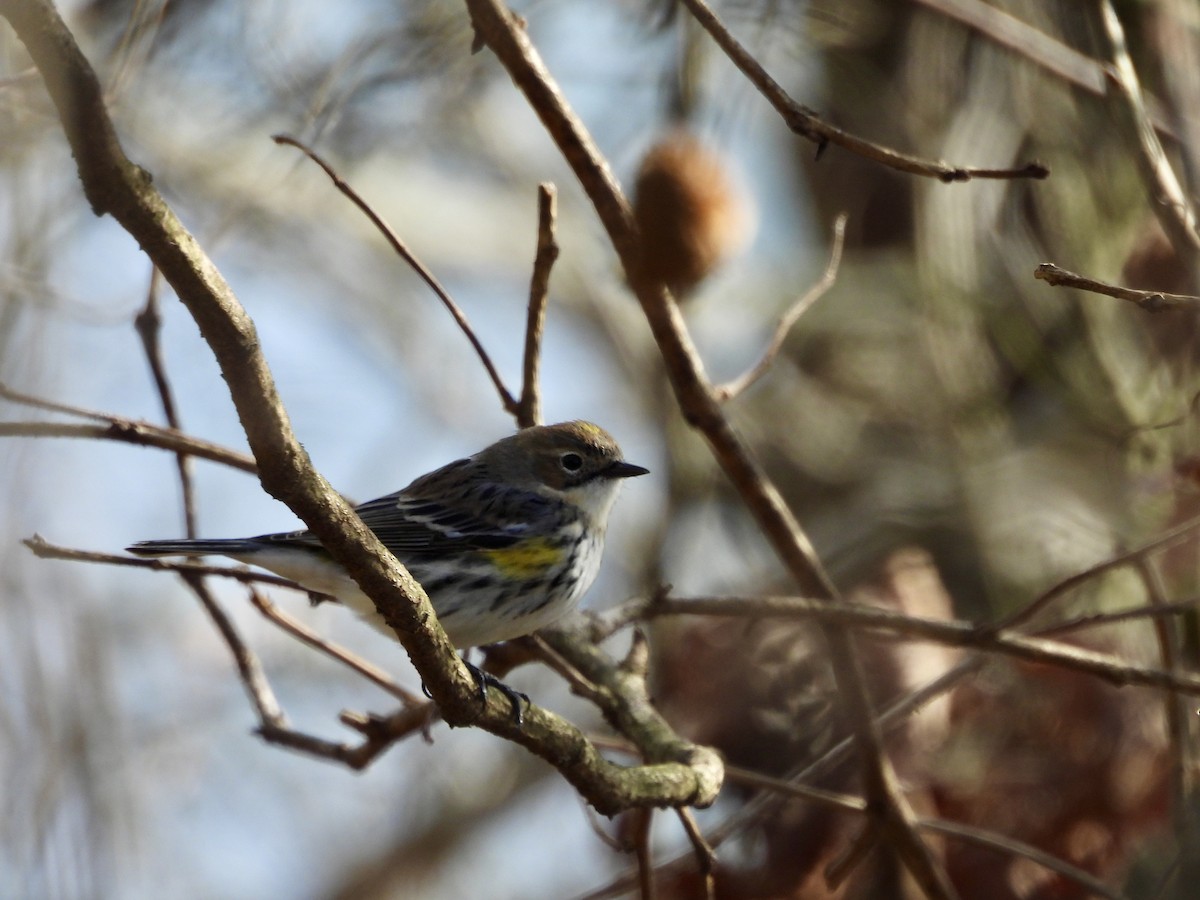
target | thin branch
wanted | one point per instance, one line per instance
(141, 434)
(950, 632)
(43, 549)
(306, 635)
(706, 857)
(1043, 50)
(580, 684)
(1167, 634)
(623, 696)
(806, 123)
(380, 733)
(786, 322)
(7, 393)
(1150, 301)
(1171, 204)
(250, 670)
(1129, 614)
(891, 719)
(148, 325)
(1011, 846)
(1176, 535)
(403, 251)
(643, 820)
(273, 726)
(979, 836)
(529, 410)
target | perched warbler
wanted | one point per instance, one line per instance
(504, 542)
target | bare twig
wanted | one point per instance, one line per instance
(249, 668)
(1150, 301)
(141, 434)
(529, 409)
(7, 393)
(1013, 847)
(43, 549)
(1170, 201)
(953, 633)
(306, 635)
(1179, 533)
(622, 695)
(643, 820)
(806, 123)
(782, 789)
(379, 732)
(735, 387)
(957, 830)
(706, 857)
(1045, 51)
(148, 325)
(580, 684)
(1130, 614)
(403, 251)
(120, 428)
(893, 717)
(1166, 632)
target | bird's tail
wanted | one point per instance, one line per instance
(188, 547)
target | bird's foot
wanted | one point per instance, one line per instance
(485, 680)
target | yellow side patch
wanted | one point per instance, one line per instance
(527, 559)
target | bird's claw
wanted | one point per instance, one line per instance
(485, 680)
(515, 697)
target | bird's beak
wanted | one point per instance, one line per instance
(623, 469)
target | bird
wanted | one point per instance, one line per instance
(504, 542)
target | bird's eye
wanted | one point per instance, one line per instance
(572, 462)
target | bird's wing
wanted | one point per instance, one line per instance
(412, 523)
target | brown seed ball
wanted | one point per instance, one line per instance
(691, 213)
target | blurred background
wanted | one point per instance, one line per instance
(956, 436)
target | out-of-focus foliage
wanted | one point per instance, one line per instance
(956, 436)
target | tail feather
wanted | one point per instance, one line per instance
(188, 547)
